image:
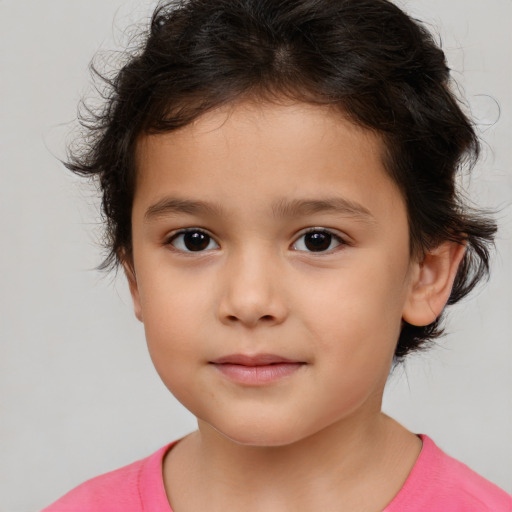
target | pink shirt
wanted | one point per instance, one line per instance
(437, 483)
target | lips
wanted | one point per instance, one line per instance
(256, 360)
(256, 370)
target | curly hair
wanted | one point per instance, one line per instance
(368, 58)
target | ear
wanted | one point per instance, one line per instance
(129, 271)
(432, 283)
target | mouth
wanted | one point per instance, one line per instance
(256, 370)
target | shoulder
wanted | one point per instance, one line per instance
(477, 493)
(124, 490)
(441, 483)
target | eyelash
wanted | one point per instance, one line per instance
(183, 232)
(334, 237)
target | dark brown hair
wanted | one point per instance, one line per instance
(366, 57)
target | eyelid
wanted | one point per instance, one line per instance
(174, 234)
(342, 240)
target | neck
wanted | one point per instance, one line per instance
(342, 462)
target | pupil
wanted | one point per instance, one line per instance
(196, 241)
(317, 241)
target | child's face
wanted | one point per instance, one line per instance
(249, 281)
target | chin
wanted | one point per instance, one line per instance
(263, 436)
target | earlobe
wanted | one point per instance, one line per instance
(134, 289)
(432, 283)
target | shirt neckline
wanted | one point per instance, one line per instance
(154, 497)
(424, 468)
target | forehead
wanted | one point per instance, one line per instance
(263, 153)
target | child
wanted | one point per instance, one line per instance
(278, 181)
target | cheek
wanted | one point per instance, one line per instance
(175, 313)
(355, 324)
(175, 336)
(356, 312)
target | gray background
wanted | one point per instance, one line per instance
(78, 394)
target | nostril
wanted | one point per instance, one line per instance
(265, 318)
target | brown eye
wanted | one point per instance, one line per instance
(193, 241)
(317, 241)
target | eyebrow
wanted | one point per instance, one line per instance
(335, 204)
(170, 206)
(174, 206)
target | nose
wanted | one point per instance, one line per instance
(252, 291)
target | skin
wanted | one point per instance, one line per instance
(316, 437)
